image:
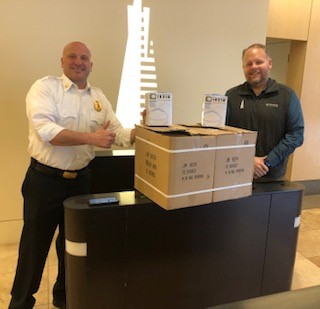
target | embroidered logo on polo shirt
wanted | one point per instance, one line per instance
(272, 105)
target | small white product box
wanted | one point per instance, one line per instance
(214, 110)
(158, 109)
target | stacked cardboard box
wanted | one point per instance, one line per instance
(182, 166)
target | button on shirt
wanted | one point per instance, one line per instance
(54, 104)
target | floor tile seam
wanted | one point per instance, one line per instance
(310, 257)
(313, 256)
(306, 207)
(313, 262)
(8, 272)
(306, 257)
(308, 229)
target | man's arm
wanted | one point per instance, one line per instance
(101, 138)
(294, 136)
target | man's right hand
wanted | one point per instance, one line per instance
(260, 169)
(103, 137)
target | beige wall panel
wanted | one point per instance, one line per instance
(289, 19)
(279, 50)
(306, 163)
(294, 80)
(197, 44)
(296, 64)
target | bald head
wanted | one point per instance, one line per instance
(76, 44)
(76, 63)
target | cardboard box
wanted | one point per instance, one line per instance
(234, 164)
(158, 107)
(182, 166)
(171, 166)
(214, 111)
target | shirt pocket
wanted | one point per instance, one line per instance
(68, 116)
(97, 119)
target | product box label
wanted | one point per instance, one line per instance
(158, 107)
(214, 111)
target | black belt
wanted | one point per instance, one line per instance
(55, 171)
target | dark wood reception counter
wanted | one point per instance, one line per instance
(135, 254)
(112, 170)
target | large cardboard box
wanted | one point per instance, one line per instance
(172, 167)
(182, 166)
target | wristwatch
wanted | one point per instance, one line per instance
(267, 162)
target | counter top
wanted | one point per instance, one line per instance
(134, 198)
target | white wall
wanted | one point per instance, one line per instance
(198, 45)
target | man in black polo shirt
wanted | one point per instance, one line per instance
(272, 109)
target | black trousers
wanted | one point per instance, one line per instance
(43, 212)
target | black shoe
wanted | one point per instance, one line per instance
(59, 303)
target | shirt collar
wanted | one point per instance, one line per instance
(262, 92)
(271, 86)
(68, 84)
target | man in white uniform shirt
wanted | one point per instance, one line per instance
(67, 118)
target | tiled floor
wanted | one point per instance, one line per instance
(8, 260)
(306, 271)
(307, 265)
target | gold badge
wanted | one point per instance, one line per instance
(97, 106)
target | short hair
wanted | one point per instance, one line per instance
(257, 45)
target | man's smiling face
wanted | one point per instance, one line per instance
(256, 67)
(76, 63)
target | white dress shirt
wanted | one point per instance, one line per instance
(56, 103)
